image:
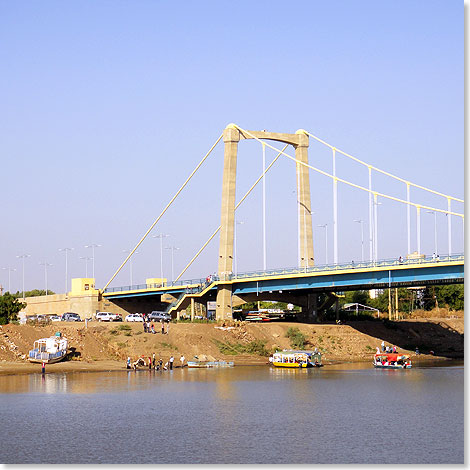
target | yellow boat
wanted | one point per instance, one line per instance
(296, 359)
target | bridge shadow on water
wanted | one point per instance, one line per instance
(437, 335)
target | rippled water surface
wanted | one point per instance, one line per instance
(337, 414)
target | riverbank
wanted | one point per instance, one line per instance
(103, 346)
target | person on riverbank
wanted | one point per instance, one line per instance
(145, 326)
(383, 346)
(152, 328)
(160, 364)
(153, 360)
(128, 363)
(171, 362)
(163, 327)
(378, 350)
(168, 327)
(182, 359)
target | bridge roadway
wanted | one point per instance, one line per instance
(294, 284)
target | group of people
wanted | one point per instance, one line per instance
(150, 327)
(387, 349)
(154, 364)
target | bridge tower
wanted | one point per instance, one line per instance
(231, 136)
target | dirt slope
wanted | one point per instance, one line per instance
(351, 342)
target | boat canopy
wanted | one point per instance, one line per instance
(391, 356)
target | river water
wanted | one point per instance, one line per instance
(341, 414)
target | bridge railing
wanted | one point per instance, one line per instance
(194, 286)
(351, 265)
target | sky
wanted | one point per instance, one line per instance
(107, 106)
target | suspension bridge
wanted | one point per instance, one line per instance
(300, 285)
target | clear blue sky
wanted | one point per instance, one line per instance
(106, 107)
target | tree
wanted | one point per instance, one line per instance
(9, 308)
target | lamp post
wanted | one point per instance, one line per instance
(86, 258)
(130, 262)
(23, 257)
(173, 249)
(376, 236)
(435, 230)
(360, 221)
(66, 250)
(161, 236)
(325, 226)
(93, 246)
(9, 278)
(237, 222)
(45, 264)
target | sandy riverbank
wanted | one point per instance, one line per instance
(103, 347)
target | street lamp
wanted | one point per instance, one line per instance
(325, 226)
(173, 249)
(360, 221)
(376, 236)
(23, 257)
(435, 230)
(130, 261)
(9, 279)
(45, 264)
(66, 250)
(161, 236)
(86, 258)
(237, 222)
(93, 246)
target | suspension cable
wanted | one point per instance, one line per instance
(164, 210)
(236, 207)
(382, 171)
(350, 183)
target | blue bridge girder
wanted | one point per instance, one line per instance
(331, 278)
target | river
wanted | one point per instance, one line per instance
(340, 414)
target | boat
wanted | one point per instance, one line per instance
(392, 361)
(49, 350)
(296, 359)
(208, 364)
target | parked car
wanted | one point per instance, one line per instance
(105, 316)
(134, 317)
(70, 316)
(55, 318)
(157, 316)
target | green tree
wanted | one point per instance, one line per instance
(9, 308)
(33, 293)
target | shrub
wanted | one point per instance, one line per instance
(296, 337)
(257, 347)
(124, 328)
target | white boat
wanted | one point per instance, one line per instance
(49, 350)
(207, 364)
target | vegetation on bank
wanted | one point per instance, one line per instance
(257, 347)
(10, 306)
(32, 293)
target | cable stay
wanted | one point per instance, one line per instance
(354, 185)
(164, 210)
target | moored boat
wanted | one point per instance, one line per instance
(297, 359)
(392, 361)
(49, 350)
(207, 364)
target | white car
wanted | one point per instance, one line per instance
(55, 318)
(105, 316)
(134, 317)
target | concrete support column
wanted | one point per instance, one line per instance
(227, 223)
(303, 196)
(192, 308)
(312, 307)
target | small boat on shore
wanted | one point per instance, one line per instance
(297, 359)
(392, 361)
(208, 364)
(49, 350)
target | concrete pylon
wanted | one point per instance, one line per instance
(231, 136)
